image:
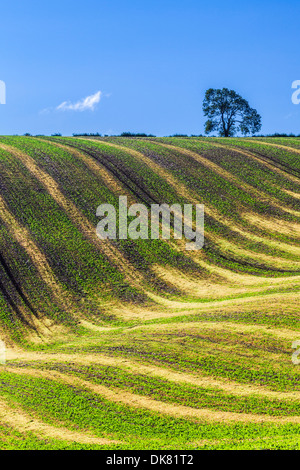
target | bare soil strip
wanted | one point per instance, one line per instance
(23, 422)
(273, 224)
(284, 147)
(283, 333)
(272, 261)
(212, 290)
(138, 401)
(284, 297)
(292, 193)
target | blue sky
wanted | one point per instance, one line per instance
(151, 61)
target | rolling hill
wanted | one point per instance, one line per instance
(140, 343)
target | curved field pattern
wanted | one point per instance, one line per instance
(140, 343)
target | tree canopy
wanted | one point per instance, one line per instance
(229, 113)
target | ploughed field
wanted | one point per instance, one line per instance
(142, 344)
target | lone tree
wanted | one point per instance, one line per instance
(229, 113)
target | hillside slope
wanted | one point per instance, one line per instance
(54, 266)
(157, 333)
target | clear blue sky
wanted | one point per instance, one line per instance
(151, 60)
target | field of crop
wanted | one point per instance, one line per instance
(142, 344)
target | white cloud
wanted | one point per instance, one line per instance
(88, 103)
